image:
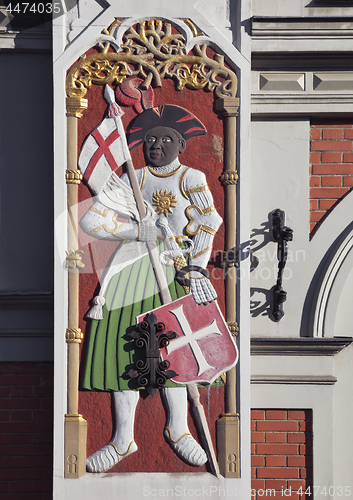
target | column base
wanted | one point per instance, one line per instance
(228, 445)
(75, 446)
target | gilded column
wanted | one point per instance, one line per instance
(228, 424)
(75, 425)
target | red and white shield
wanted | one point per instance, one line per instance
(204, 348)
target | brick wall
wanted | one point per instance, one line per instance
(26, 431)
(331, 166)
(281, 452)
(281, 439)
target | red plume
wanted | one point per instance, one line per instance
(130, 93)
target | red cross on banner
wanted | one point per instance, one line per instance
(103, 149)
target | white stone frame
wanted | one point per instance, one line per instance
(317, 378)
(314, 395)
(87, 29)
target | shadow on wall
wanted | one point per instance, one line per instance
(260, 305)
(261, 299)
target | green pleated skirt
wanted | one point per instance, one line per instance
(109, 353)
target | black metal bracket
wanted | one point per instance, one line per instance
(230, 258)
(150, 336)
(281, 234)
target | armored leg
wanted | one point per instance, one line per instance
(122, 443)
(177, 431)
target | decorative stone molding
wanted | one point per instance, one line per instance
(293, 380)
(30, 301)
(301, 103)
(301, 34)
(300, 346)
(282, 81)
(309, 27)
(26, 40)
(32, 333)
(308, 82)
(331, 82)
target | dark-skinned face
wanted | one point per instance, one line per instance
(162, 145)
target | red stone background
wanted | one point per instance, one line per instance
(154, 453)
(281, 452)
(331, 166)
(206, 154)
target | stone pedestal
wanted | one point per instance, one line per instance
(75, 446)
(228, 445)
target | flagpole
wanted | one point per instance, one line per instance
(193, 391)
(151, 246)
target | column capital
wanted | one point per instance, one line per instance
(227, 106)
(75, 106)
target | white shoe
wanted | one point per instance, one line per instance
(187, 448)
(108, 456)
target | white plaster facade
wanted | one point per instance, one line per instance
(304, 360)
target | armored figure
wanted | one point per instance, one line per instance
(175, 194)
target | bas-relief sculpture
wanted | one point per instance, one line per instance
(173, 189)
(180, 220)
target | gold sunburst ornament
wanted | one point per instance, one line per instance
(164, 202)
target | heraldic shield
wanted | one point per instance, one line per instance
(203, 347)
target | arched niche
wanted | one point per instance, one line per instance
(331, 308)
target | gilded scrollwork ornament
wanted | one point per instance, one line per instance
(193, 28)
(152, 52)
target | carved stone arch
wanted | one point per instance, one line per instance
(186, 27)
(152, 52)
(333, 314)
(331, 261)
